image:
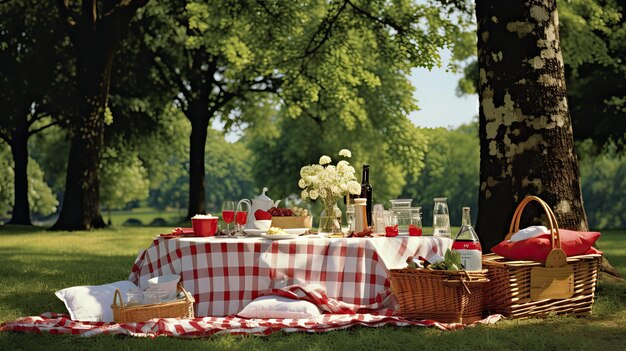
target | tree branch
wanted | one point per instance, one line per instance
(163, 66)
(36, 115)
(35, 131)
(324, 29)
(131, 6)
(225, 98)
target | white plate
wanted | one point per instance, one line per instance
(296, 231)
(278, 236)
(254, 232)
(290, 231)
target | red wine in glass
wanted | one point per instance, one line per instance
(228, 213)
(228, 216)
(242, 217)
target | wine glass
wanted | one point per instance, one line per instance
(241, 218)
(228, 213)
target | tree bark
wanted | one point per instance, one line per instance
(526, 144)
(199, 116)
(19, 150)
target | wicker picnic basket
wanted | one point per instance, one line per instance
(521, 289)
(181, 308)
(445, 296)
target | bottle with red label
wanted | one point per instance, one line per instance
(467, 244)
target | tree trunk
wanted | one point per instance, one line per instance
(95, 38)
(199, 117)
(526, 144)
(19, 150)
(81, 203)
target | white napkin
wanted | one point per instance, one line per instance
(528, 233)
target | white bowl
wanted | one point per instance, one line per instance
(263, 224)
(167, 283)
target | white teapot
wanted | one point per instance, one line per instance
(261, 202)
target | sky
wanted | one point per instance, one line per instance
(436, 98)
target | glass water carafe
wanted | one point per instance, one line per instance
(441, 218)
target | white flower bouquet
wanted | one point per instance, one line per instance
(328, 182)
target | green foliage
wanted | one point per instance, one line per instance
(50, 149)
(229, 172)
(41, 198)
(6, 179)
(31, 45)
(451, 170)
(603, 176)
(392, 146)
(591, 33)
(322, 53)
(123, 179)
(164, 154)
(451, 262)
(593, 38)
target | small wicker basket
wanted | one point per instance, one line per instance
(182, 308)
(445, 296)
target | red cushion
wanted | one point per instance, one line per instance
(537, 248)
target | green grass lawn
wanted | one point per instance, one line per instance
(35, 263)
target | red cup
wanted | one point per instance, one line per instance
(204, 226)
(415, 230)
(391, 231)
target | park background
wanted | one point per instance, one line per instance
(418, 145)
(256, 141)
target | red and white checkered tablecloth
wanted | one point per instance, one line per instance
(224, 275)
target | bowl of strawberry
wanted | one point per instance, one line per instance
(286, 218)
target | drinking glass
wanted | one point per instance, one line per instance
(228, 213)
(241, 218)
(379, 219)
(350, 217)
(415, 226)
(441, 218)
(391, 223)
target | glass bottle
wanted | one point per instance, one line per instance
(441, 218)
(366, 193)
(466, 243)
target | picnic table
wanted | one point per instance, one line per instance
(225, 274)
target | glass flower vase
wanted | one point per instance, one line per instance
(330, 218)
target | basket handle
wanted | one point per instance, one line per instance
(555, 238)
(118, 295)
(187, 293)
(556, 257)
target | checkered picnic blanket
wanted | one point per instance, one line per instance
(337, 315)
(200, 327)
(224, 275)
